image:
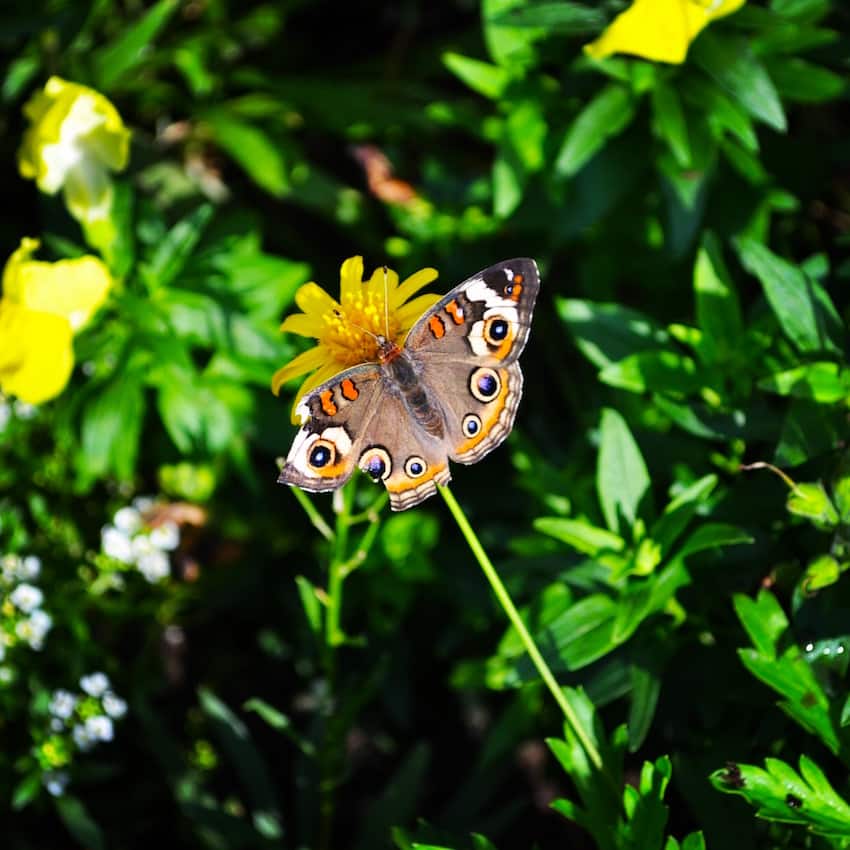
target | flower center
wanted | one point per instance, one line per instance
(349, 333)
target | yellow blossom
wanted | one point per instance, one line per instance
(75, 138)
(659, 30)
(345, 329)
(42, 306)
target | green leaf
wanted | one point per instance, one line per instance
(824, 382)
(483, 77)
(310, 603)
(822, 572)
(509, 180)
(810, 500)
(718, 310)
(246, 760)
(111, 427)
(764, 620)
(781, 794)
(608, 333)
(731, 63)
(607, 115)
(563, 17)
(680, 511)
(803, 82)
(171, 254)
(804, 699)
(657, 371)
(511, 46)
(643, 700)
(621, 475)
(79, 822)
(808, 431)
(584, 633)
(260, 156)
(801, 305)
(120, 56)
(670, 122)
(582, 536)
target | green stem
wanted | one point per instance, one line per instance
(514, 616)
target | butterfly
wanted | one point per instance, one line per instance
(449, 393)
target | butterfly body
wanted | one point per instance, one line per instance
(450, 392)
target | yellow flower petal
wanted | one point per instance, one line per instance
(350, 278)
(36, 355)
(348, 331)
(75, 138)
(303, 363)
(311, 298)
(659, 30)
(412, 285)
(303, 324)
(72, 289)
(381, 282)
(408, 314)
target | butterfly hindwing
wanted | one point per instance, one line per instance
(334, 415)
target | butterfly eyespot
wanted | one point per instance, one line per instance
(496, 330)
(376, 463)
(471, 425)
(415, 466)
(484, 384)
(321, 454)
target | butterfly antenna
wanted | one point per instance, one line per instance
(386, 304)
(340, 315)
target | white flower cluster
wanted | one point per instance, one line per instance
(89, 716)
(130, 540)
(16, 407)
(22, 619)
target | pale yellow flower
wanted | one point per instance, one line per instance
(75, 138)
(42, 306)
(345, 328)
(659, 30)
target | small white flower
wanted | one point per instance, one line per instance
(143, 504)
(23, 410)
(5, 413)
(9, 566)
(2, 650)
(99, 728)
(95, 684)
(62, 703)
(114, 706)
(82, 737)
(29, 568)
(56, 781)
(26, 597)
(165, 536)
(56, 725)
(116, 544)
(35, 629)
(154, 566)
(128, 520)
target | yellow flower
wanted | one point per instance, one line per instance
(76, 137)
(43, 305)
(345, 328)
(659, 30)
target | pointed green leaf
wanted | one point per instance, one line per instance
(607, 115)
(621, 475)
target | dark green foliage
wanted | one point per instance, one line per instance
(671, 514)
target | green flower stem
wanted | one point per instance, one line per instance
(514, 616)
